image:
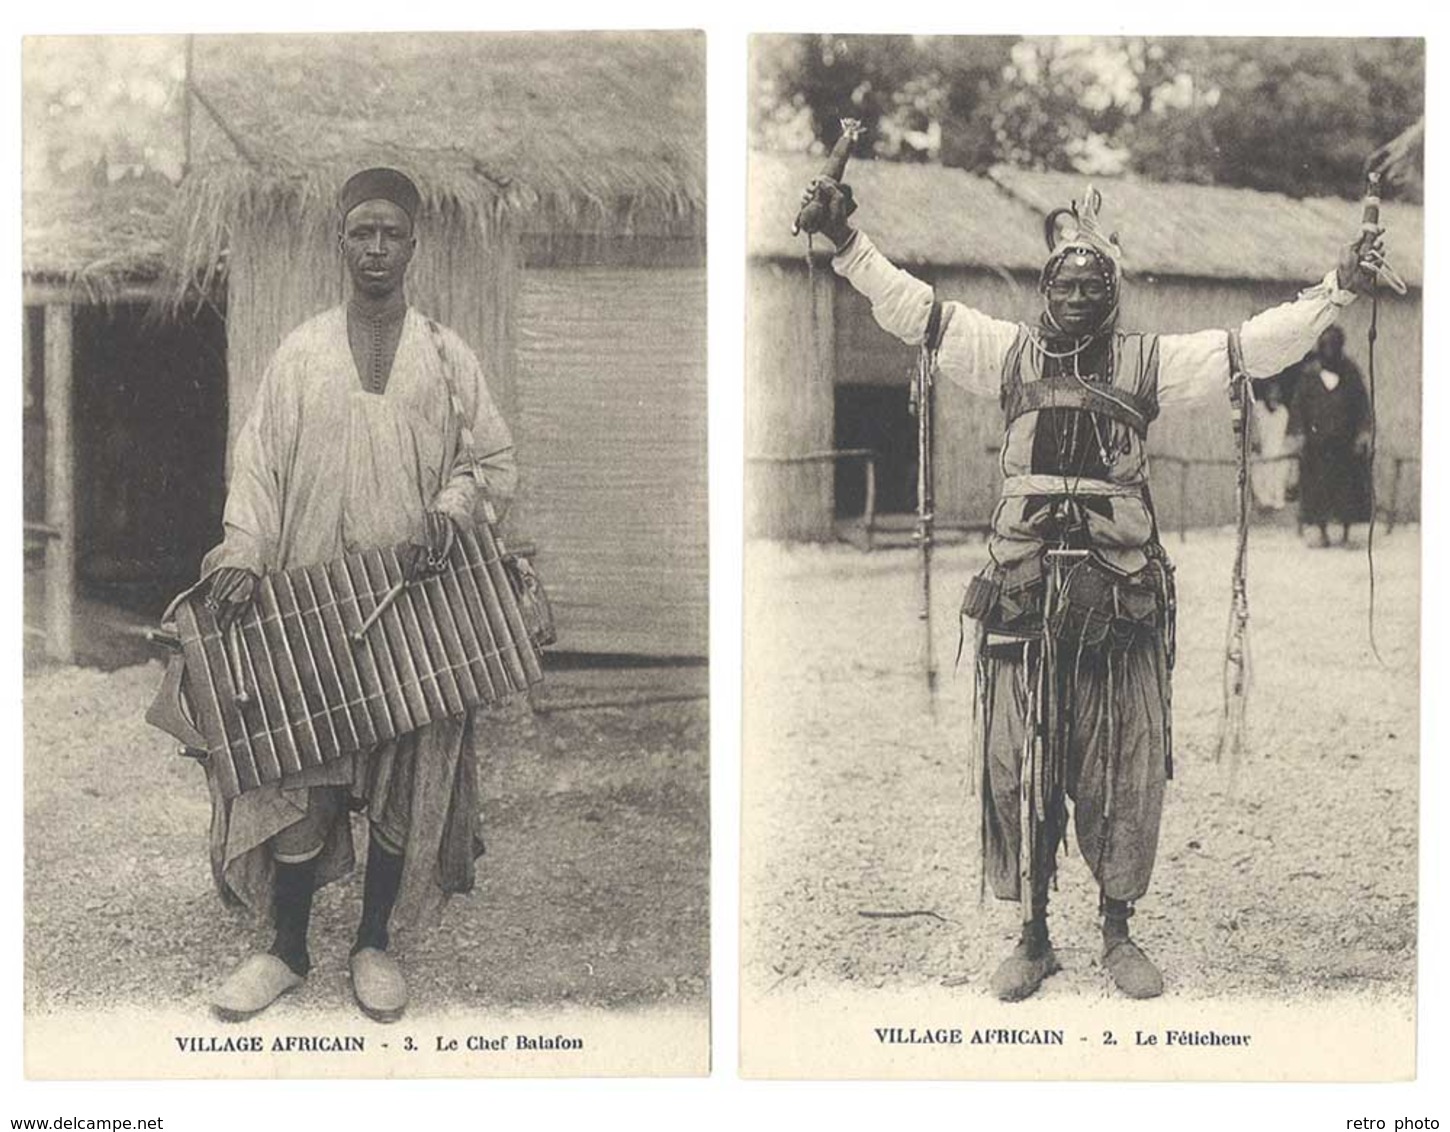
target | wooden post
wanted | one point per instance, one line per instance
(1394, 495)
(1183, 501)
(60, 554)
(870, 515)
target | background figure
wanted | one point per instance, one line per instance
(1272, 474)
(1331, 416)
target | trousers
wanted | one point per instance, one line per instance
(1115, 727)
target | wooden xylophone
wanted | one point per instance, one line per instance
(337, 658)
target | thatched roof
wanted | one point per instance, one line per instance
(931, 215)
(96, 238)
(1223, 233)
(554, 133)
(594, 131)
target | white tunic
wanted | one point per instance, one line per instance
(1190, 366)
(322, 467)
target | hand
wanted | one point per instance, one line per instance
(1362, 444)
(428, 553)
(1360, 262)
(439, 533)
(230, 594)
(825, 207)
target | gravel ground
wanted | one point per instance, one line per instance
(1296, 878)
(593, 892)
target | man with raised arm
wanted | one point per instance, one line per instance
(1083, 702)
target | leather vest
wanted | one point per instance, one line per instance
(1074, 451)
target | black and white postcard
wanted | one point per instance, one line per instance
(366, 580)
(1083, 436)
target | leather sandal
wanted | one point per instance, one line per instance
(1132, 970)
(1021, 973)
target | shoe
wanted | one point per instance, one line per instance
(1132, 971)
(1021, 973)
(258, 981)
(378, 984)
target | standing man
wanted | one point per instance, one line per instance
(1330, 417)
(357, 438)
(1093, 687)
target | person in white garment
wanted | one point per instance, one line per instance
(356, 438)
(1077, 393)
(1271, 472)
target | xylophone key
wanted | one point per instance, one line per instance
(323, 704)
(431, 632)
(524, 648)
(220, 721)
(303, 624)
(373, 658)
(298, 714)
(502, 631)
(434, 598)
(369, 585)
(366, 711)
(474, 647)
(383, 565)
(468, 581)
(278, 754)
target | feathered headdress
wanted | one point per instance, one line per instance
(1078, 229)
(1077, 232)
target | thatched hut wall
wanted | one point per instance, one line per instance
(1202, 431)
(612, 406)
(790, 377)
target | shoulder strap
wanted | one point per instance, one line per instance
(934, 328)
(465, 427)
(1071, 393)
(1011, 379)
(1235, 356)
(1239, 388)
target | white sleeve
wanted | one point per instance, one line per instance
(1191, 366)
(973, 346)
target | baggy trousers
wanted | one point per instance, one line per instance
(1115, 727)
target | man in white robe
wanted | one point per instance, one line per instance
(358, 437)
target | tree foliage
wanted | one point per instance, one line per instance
(1298, 116)
(101, 107)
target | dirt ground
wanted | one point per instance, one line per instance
(593, 891)
(1296, 878)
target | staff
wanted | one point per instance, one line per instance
(924, 401)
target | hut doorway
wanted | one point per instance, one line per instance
(876, 417)
(150, 427)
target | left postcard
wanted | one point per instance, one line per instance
(366, 685)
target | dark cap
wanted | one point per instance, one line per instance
(379, 184)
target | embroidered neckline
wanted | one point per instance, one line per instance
(377, 328)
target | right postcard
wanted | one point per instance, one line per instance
(1083, 434)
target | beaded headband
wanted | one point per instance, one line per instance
(1077, 231)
